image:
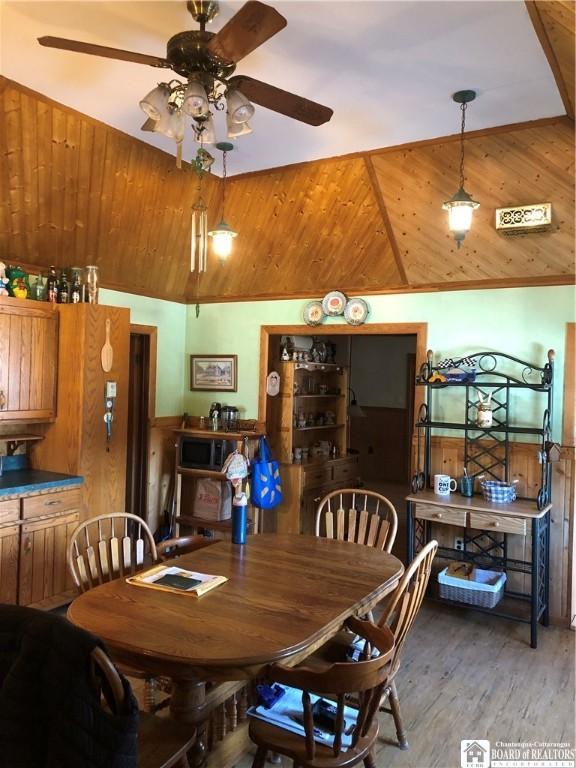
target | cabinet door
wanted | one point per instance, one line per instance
(28, 358)
(43, 567)
(9, 548)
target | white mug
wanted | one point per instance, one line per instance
(443, 485)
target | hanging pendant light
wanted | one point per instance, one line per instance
(461, 205)
(222, 235)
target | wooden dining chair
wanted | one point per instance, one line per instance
(162, 742)
(359, 516)
(400, 611)
(365, 680)
(119, 544)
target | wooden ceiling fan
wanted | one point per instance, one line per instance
(212, 57)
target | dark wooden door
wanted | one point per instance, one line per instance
(137, 447)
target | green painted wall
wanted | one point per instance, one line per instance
(524, 322)
(170, 319)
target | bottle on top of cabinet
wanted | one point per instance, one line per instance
(52, 285)
(63, 288)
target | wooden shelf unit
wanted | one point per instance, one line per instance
(305, 483)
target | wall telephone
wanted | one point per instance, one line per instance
(109, 403)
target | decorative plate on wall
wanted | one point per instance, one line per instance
(313, 313)
(356, 312)
(333, 303)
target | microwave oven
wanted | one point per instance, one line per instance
(208, 453)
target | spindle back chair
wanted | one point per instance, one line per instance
(357, 515)
(106, 547)
(399, 614)
(364, 679)
(162, 742)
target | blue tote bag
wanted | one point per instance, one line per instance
(266, 485)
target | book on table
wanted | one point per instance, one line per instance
(171, 578)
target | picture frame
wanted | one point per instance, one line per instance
(213, 373)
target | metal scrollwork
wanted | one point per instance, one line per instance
(484, 359)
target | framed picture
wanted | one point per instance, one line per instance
(217, 373)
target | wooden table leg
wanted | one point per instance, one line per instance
(187, 701)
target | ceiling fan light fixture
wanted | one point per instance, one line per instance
(195, 101)
(240, 109)
(204, 132)
(171, 125)
(236, 129)
(155, 103)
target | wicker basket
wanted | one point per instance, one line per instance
(485, 590)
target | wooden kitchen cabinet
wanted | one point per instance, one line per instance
(9, 551)
(76, 443)
(28, 360)
(307, 424)
(35, 531)
(305, 485)
(43, 572)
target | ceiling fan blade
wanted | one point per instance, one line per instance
(254, 23)
(102, 50)
(281, 101)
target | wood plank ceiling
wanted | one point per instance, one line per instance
(74, 191)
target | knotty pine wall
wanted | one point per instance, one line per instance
(74, 191)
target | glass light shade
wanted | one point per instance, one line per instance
(195, 101)
(171, 125)
(156, 102)
(222, 237)
(239, 108)
(460, 217)
(204, 132)
(236, 129)
(460, 208)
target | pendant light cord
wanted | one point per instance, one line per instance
(463, 108)
(223, 184)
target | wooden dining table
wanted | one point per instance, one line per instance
(285, 596)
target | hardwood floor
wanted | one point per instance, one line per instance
(466, 675)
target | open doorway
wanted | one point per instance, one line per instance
(141, 407)
(382, 372)
(380, 361)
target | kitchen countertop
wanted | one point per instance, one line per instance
(13, 482)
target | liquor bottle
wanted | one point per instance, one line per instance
(63, 289)
(76, 290)
(52, 286)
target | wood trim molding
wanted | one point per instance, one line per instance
(165, 422)
(471, 285)
(152, 332)
(547, 47)
(569, 400)
(385, 218)
(412, 145)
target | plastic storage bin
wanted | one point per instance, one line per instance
(485, 590)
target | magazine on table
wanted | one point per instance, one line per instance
(287, 713)
(170, 578)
